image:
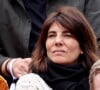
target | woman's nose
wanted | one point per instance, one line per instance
(58, 40)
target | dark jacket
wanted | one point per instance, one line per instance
(15, 28)
(17, 19)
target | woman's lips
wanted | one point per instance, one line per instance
(58, 51)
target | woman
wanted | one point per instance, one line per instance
(65, 51)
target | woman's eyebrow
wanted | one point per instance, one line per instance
(52, 31)
(66, 31)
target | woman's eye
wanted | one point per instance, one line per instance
(67, 35)
(51, 35)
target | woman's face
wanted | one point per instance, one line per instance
(61, 47)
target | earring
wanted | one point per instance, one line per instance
(81, 52)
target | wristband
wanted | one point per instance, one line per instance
(10, 68)
(6, 69)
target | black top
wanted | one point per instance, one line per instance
(60, 77)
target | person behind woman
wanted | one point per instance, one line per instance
(16, 26)
(65, 50)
